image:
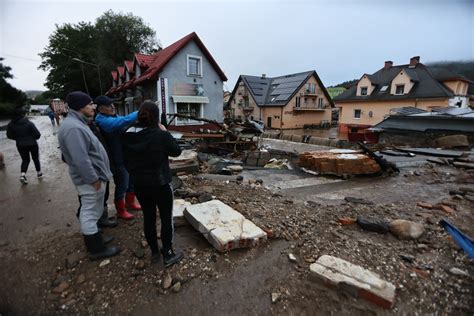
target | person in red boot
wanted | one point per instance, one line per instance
(112, 126)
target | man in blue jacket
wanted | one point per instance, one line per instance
(89, 170)
(112, 127)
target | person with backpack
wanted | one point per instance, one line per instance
(25, 133)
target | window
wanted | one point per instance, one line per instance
(298, 102)
(321, 103)
(192, 109)
(194, 65)
(357, 113)
(311, 88)
(383, 89)
(400, 89)
(363, 91)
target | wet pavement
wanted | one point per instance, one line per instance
(43, 205)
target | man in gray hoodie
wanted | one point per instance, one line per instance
(89, 170)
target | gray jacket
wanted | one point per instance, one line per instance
(82, 150)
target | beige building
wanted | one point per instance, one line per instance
(286, 102)
(412, 85)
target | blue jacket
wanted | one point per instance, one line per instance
(112, 127)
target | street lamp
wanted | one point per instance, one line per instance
(98, 72)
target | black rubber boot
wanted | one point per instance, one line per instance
(170, 257)
(97, 249)
(104, 220)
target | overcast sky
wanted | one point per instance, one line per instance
(339, 39)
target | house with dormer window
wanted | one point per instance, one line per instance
(411, 85)
(285, 102)
(182, 78)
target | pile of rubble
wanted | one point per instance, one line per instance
(338, 162)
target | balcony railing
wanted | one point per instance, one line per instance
(309, 108)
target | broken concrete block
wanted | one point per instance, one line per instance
(353, 279)
(179, 205)
(224, 227)
(186, 162)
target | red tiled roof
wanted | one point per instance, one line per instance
(121, 71)
(165, 55)
(145, 60)
(114, 75)
(129, 65)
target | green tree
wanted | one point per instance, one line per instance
(10, 97)
(112, 39)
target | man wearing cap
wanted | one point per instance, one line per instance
(89, 170)
(112, 127)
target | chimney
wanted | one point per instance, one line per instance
(264, 76)
(388, 64)
(414, 60)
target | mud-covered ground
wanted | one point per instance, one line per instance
(45, 269)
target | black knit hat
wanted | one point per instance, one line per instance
(77, 100)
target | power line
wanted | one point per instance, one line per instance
(20, 57)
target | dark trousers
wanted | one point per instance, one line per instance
(25, 152)
(151, 197)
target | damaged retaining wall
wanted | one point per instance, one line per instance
(417, 139)
(308, 139)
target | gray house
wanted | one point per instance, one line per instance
(182, 78)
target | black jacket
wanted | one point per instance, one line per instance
(146, 154)
(23, 131)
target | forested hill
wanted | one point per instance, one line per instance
(463, 68)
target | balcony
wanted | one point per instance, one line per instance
(309, 108)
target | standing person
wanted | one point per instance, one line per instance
(25, 133)
(146, 149)
(50, 113)
(112, 127)
(89, 170)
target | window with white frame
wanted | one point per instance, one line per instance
(357, 113)
(194, 65)
(190, 109)
(400, 89)
(363, 91)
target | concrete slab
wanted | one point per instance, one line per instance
(224, 227)
(186, 162)
(179, 205)
(353, 279)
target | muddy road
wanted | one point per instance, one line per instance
(44, 267)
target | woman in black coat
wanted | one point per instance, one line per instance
(146, 147)
(25, 133)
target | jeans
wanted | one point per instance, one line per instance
(151, 197)
(25, 157)
(122, 181)
(92, 206)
